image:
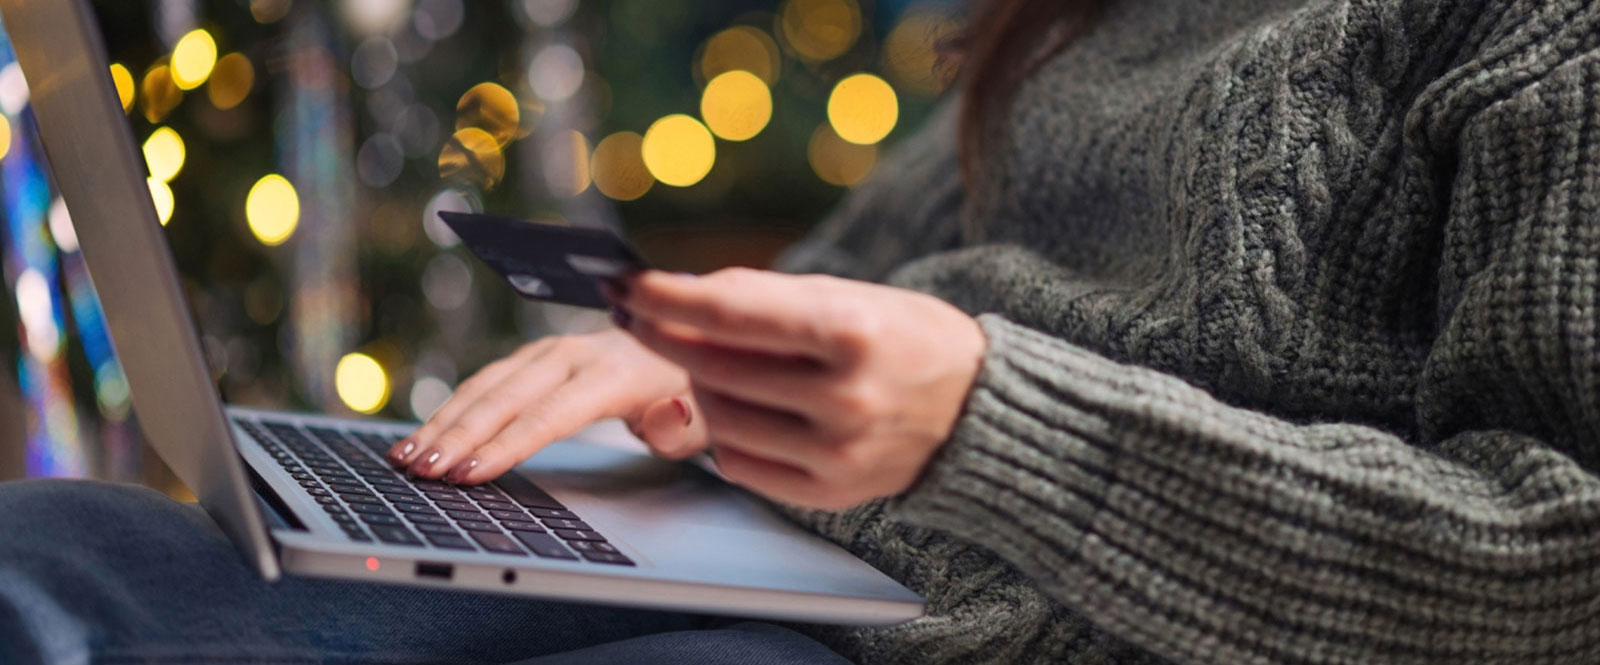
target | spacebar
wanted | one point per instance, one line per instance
(525, 493)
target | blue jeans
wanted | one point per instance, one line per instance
(93, 572)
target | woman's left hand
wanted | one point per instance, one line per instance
(816, 391)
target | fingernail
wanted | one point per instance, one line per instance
(459, 473)
(403, 450)
(427, 461)
(622, 317)
(684, 410)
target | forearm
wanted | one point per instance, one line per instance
(1213, 534)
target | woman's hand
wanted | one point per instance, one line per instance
(546, 391)
(816, 391)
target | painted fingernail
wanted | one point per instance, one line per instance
(403, 450)
(459, 474)
(684, 410)
(422, 465)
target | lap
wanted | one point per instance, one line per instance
(119, 572)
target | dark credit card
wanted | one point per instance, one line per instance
(562, 264)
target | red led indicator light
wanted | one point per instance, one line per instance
(372, 563)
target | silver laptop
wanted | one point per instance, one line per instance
(311, 495)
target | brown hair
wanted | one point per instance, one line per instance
(1005, 41)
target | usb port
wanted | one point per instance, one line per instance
(437, 571)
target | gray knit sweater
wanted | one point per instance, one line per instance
(1294, 323)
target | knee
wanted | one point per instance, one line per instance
(62, 511)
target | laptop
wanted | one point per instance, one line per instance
(311, 495)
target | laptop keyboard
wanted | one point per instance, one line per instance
(344, 470)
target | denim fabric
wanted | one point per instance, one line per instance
(92, 572)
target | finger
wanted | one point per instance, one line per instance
(754, 430)
(748, 309)
(561, 414)
(671, 428)
(494, 408)
(781, 382)
(774, 480)
(465, 395)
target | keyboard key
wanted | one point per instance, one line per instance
(355, 533)
(308, 484)
(333, 508)
(396, 535)
(405, 498)
(464, 516)
(575, 525)
(343, 518)
(593, 546)
(326, 500)
(415, 509)
(318, 491)
(387, 482)
(570, 534)
(389, 520)
(422, 518)
(497, 542)
(371, 509)
(544, 545)
(509, 515)
(553, 513)
(436, 528)
(458, 505)
(448, 541)
(371, 499)
(497, 505)
(525, 493)
(433, 485)
(302, 476)
(608, 557)
(348, 487)
(444, 496)
(484, 527)
(518, 525)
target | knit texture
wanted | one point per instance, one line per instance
(1293, 344)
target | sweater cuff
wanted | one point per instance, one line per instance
(1029, 455)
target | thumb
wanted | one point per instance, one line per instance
(671, 427)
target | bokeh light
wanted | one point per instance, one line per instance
(272, 209)
(362, 383)
(161, 196)
(472, 155)
(491, 108)
(910, 54)
(837, 161)
(447, 200)
(566, 164)
(124, 82)
(373, 17)
(736, 105)
(741, 47)
(437, 19)
(863, 109)
(427, 395)
(5, 136)
(231, 81)
(193, 59)
(13, 89)
(374, 62)
(678, 150)
(164, 154)
(618, 167)
(36, 308)
(818, 30)
(269, 11)
(158, 93)
(380, 160)
(556, 72)
(61, 229)
(548, 13)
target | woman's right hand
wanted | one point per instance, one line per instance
(549, 390)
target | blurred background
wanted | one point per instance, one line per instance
(298, 150)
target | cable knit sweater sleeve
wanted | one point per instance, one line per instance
(1212, 534)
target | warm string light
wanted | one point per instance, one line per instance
(272, 210)
(362, 383)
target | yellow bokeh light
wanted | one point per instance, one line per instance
(838, 161)
(193, 59)
(863, 109)
(5, 136)
(272, 209)
(473, 155)
(741, 47)
(570, 172)
(678, 150)
(736, 105)
(161, 196)
(818, 30)
(362, 383)
(164, 154)
(618, 167)
(124, 82)
(158, 93)
(231, 81)
(491, 108)
(909, 53)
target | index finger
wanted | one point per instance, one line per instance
(746, 309)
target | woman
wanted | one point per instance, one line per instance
(1256, 331)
